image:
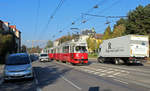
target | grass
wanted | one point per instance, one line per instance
(93, 55)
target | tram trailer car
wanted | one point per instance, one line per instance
(126, 49)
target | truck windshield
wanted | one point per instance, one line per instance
(81, 49)
(43, 55)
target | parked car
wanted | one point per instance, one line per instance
(18, 66)
(44, 57)
(33, 57)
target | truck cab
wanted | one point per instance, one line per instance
(43, 57)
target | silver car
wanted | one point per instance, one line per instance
(18, 66)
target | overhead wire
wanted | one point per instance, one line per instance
(104, 10)
(89, 10)
(52, 15)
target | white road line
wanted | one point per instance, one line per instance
(71, 83)
(117, 73)
(102, 74)
(122, 68)
(89, 71)
(120, 81)
(96, 73)
(99, 69)
(36, 82)
(103, 70)
(110, 72)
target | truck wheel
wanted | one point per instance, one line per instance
(100, 60)
(116, 61)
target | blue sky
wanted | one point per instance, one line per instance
(23, 14)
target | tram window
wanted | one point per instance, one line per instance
(67, 49)
(81, 48)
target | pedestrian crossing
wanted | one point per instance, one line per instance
(104, 71)
(101, 71)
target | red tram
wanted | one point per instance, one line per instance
(71, 52)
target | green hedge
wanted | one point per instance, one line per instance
(93, 55)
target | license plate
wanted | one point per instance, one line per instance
(138, 62)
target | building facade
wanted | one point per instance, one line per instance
(17, 37)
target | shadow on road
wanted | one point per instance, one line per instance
(45, 75)
(18, 85)
(98, 89)
(48, 75)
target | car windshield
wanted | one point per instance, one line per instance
(43, 55)
(17, 60)
(81, 49)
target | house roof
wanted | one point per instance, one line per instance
(13, 26)
(98, 36)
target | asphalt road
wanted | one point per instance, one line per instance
(57, 76)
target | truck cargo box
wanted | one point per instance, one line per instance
(136, 46)
(125, 46)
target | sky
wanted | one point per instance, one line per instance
(31, 16)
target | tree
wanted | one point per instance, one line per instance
(93, 44)
(138, 21)
(49, 44)
(36, 49)
(121, 21)
(7, 46)
(118, 31)
(107, 33)
(23, 48)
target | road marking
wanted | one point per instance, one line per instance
(71, 83)
(104, 70)
(36, 82)
(99, 69)
(121, 68)
(121, 81)
(102, 74)
(117, 73)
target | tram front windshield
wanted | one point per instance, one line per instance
(81, 49)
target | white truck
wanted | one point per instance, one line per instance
(125, 49)
(43, 57)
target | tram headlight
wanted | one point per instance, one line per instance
(77, 55)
